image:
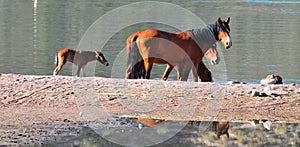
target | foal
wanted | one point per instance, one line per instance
(77, 57)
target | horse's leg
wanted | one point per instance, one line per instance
(186, 73)
(142, 72)
(137, 70)
(148, 63)
(61, 62)
(83, 71)
(183, 72)
(194, 73)
(203, 73)
(167, 72)
(78, 70)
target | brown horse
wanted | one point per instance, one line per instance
(183, 50)
(138, 70)
(77, 57)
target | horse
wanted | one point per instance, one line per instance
(77, 57)
(203, 73)
(176, 49)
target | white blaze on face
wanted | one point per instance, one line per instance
(228, 42)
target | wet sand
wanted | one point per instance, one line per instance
(35, 107)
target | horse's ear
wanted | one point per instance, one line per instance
(219, 21)
(227, 20)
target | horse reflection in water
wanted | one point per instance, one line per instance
(184, 50)
(219, 127)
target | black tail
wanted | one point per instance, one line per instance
(137, 61)
(56, 60)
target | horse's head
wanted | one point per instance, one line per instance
(212, 55)
(223, 32)
(100, 57)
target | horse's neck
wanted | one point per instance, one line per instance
(204, 37)
(90, 56)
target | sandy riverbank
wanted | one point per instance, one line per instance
(29, 101)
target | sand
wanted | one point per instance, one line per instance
(34, 106)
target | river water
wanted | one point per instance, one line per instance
(265, 36)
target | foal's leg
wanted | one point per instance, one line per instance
(61, 62)
(148, 63)
(83, 71)
(78, 70)
(167, 72)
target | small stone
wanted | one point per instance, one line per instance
(235, 82)
(254, 92)
(262, 94)
(140, 126)
(267, 124)
(66, 120)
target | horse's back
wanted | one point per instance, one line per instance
(67, 54)
(172, 47)
(66, 51)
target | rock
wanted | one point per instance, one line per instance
(262, 94)
(268, 90)
(267, 124)
(254, 92)
(140, 126)
(235, 82)
(272, 79)
(254, 122)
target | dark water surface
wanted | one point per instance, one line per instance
(265, 36)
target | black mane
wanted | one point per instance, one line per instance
(214, 28)
(206, 36)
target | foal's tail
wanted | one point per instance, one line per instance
(56, 60)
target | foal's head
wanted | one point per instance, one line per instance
(212, 55)
(100, 57)
(223, 32)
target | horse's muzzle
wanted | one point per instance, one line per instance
(106, 64)
(228, 45)
(215, 61)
